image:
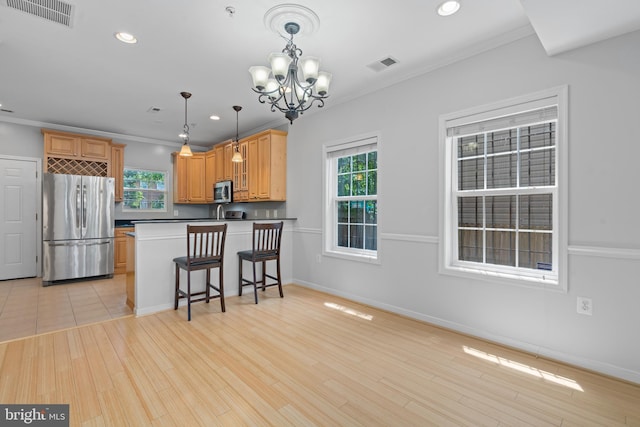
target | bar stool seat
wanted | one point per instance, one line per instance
(265, 247)
(205, 250)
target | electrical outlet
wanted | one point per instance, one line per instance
(175, 212)
(319, 258)
(585, 306)
(275, 213)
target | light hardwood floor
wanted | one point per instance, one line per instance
(27, 308)
(307, 359)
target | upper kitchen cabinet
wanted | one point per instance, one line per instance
(117, 169)
(241, 174)
(189, 175)
(78, 147)
(210, 174)
(267, 166)
(219, 169)
(77, 154)
(260, 177)
(228, 166)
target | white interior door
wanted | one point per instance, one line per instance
(18, 218)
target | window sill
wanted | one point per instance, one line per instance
(550, 283)
(368, 259)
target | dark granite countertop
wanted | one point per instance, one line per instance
(132, 222)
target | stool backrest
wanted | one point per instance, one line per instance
(205, 243)
(266, 238)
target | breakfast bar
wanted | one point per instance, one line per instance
(156, 243)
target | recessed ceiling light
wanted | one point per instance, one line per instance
(448, 7)
(126, 37)
(214, 117)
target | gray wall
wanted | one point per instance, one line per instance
(604, 236)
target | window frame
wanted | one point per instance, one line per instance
(331, 152)
(164, 191)
(449, 264)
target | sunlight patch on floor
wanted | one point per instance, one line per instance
(348, 310)
(521, 367)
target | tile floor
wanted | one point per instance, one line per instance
(27, 308)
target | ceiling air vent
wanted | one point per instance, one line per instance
(382, 64)
(51, 10)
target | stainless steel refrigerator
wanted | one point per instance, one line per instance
(77, 227)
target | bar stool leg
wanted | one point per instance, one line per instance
(189, 296)
(175, 304)
(255, 284)
(278, 275)
(240, 275)
(221, 287)
(207, 285)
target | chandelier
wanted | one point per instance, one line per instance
(296, 83)
(186, 150)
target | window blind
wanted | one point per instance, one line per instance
(497, 120)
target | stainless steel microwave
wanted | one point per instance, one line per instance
(223, 192)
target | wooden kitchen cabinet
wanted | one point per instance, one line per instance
(78, 154)
(210, 174)
(117, 169)
(189, 178)
(120, 249)
(267, 166)
(228, 164)
(261, 176)
(219, 171)
(241, 174)
(94, 148)
(77, 146)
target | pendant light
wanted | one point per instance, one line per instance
(186, 150)
(237, 156)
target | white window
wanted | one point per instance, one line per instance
(144, 190)
(351, 215)
(504, 214)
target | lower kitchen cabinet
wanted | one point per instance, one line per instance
(120, 249)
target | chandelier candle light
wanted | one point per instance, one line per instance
(186, 150)
(285, 91)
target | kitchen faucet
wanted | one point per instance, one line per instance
(220, 208)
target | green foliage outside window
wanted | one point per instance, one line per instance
(144, 190)
(358, 216)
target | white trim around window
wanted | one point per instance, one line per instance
(548, 106)
(330, 153)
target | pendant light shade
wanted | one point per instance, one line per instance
(237, 156)
(186, 150)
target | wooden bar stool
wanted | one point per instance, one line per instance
(205, 250)
(266, 247)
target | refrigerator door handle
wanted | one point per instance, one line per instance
(84, 209)
(79, 243)
(78, 206)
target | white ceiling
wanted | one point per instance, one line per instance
(81, 76)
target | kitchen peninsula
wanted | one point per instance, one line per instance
(156, 243)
